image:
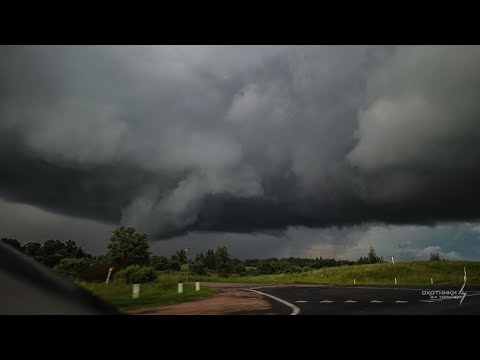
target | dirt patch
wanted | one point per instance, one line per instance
(228, 301)
(231, 299)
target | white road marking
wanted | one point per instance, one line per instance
(326, 301)
(295, 309)
(427, 301)
(301, 301)
(401, 302)
(376, 301)
(351, 301)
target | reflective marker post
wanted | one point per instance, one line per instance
(108, 276)
(136, 291)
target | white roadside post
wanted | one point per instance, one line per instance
(108, 276)
(354, 282)
(197, 285)
(431, 281)
(180, 287)
(136, 291)
(395, 281)
(393, 260)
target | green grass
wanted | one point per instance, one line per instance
(164, 291)
(407, 273)
(152, 294)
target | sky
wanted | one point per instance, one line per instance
(271, 151)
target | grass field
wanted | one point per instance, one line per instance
(407, 273)
(153, 294)
(164, 291)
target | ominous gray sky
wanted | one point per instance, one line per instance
(271, 150)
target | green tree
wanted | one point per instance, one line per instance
(159, 263)
(362, 260)
(372, 257)
(434, 256)
(200, 257)
(222, 257)
(13, 243)
(196, 267)
(51, 253)
(135, 274)
(266, 268)
(128, 247)
(209, 260)
(74, 268)
(32, 249)
(173, 265)
(181, 256)
(223, 262)
(239, 269)
(71, 250)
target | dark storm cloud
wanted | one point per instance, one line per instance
(217, 138)
(99, 192)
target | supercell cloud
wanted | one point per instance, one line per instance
(172, 139)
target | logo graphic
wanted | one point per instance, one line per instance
(439, 295)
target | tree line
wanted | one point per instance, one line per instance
(128, 253)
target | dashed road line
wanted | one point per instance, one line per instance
(427, 301)
(301, 301)
(351, 301)
(376, 302)
(326, 301)
(401, 302)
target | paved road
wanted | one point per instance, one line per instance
(344, 300)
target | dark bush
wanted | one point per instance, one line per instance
(135, 274)
(196, 267)
(251, 271)
(173, 265)
(240, 270)
(159, 263)
(265, 268)
(293, 270)
(13, 243)
(97, 271)
(74, 268)
(225, 269)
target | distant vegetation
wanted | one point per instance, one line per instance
(407, 273)
(132, 262)
(129, 255)
(52, 252)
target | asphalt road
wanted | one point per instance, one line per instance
(374, 300)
